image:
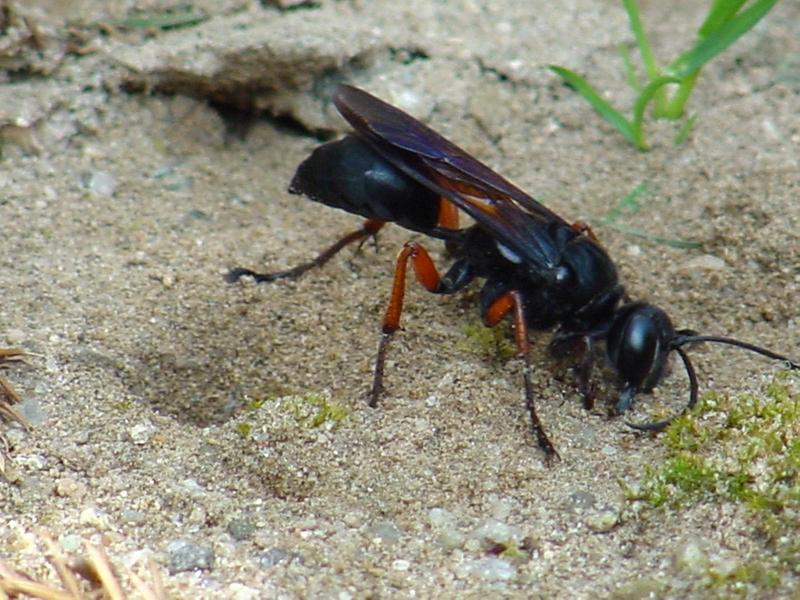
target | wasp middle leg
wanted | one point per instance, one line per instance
(512, 303)
(458, 276)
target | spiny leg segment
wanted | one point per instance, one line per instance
(458, 276)
(369, 229)
(512, 302)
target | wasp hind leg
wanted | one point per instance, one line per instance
(369, 229)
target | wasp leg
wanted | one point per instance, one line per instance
(583, 228)
(448, 215)
(583, 372)
(369, 229)
(458, 276)
(582, 345)
(511, 302)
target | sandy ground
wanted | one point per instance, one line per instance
(168, 405)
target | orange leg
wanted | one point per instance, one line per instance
(448, 215)
(512, 302)
(584, 228)
(369, 229)
(428, 276)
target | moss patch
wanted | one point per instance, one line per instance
(494, 343)
(314, 410)
(743, 450)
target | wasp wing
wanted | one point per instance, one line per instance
(512, 216)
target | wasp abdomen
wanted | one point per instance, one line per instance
(348, 174)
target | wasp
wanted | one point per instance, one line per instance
(538, 269)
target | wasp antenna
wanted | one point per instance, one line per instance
(693, 390)
(688, 339)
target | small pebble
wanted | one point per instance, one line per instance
(401, 565)
(185, 555)
(70, 542)
(134, 517)
(497, 532)
(94, 517)
(472, 545)
(704, 262)
(500, 508)
(489, 568)
(384, 532)
(198, 515)
(580, 501)
(440, 517)
(14, 337)
(193, 488)
(239, 591)
(32, 411)
(603, 521)
(101, 184)
(608, 450)
(276, 556)
(33, 462)
(726, 567)
(68, 487)
(689, 556)
(640, 589)
(451, 538)
(241, 529)
(141, 433)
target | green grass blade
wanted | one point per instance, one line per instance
(648, 58)
(628, 205)
(603, 108)
(721, 12)
(686, 128)
(719, 40)
(163, 20)
(679, 99)
(630, 69)
(663, 241)
(641, 104)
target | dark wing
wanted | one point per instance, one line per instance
(513, 217)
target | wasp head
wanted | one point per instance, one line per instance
(638, 344)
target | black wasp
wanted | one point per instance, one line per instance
(535, 267)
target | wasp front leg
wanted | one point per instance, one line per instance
(458, 276)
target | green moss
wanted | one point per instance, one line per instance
(254, 404)
(753, 573)
(314, 410)
(743, 450)
(489, 342)
(511, 550)
(244, 429)
(123, 405)
(682, 478)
